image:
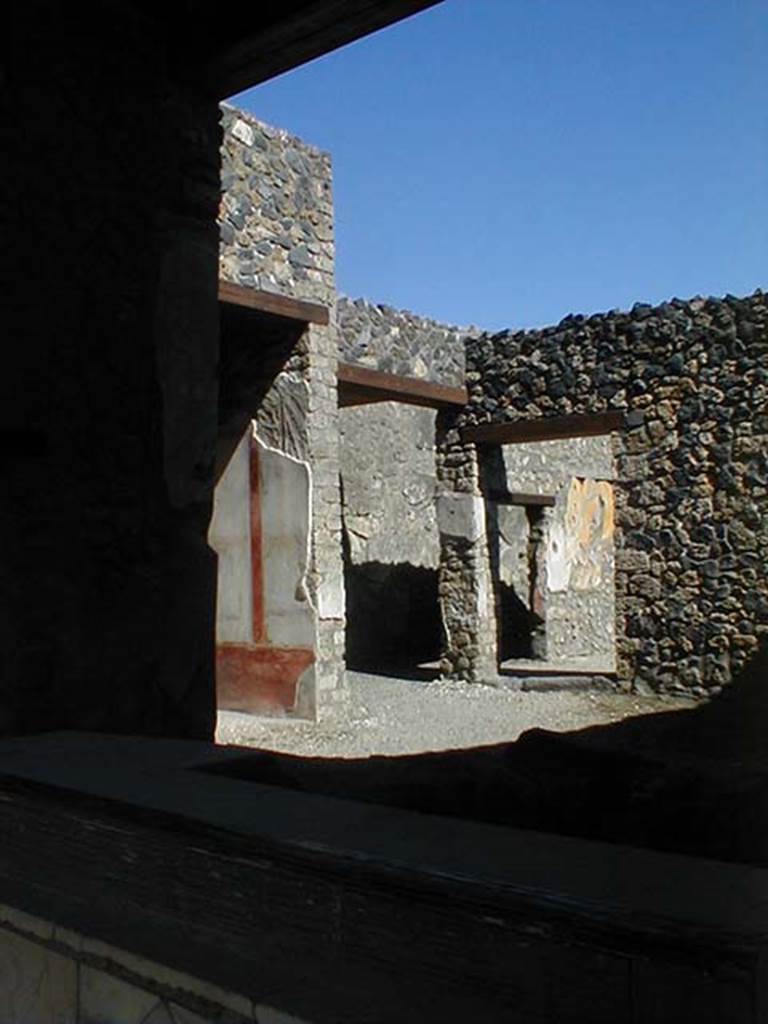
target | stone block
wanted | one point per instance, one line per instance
(105, 999)
(461, 516)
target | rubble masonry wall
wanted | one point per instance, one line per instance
(692, 471)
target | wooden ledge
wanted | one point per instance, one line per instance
(359, 385)
(269, 302)
(521, 498)
(549, 428)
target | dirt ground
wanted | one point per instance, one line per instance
(402, 716)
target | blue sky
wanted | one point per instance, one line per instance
(506, 162)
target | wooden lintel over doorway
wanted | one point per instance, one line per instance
(521, 498)
(276, 305)
(549, 428)
(359, 385)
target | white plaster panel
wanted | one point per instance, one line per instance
(105, 999)
(580, 542)
(36, 985)
(24, 922)
(330, 597)
(558, 559)
(243, 131)
(285, 520)
(461, 515)
(56, 974)
(230, 537)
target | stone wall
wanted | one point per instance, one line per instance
(465, 583)
(388, 475)
(391, 538)
(392, 541)
(398, 342)
(276, 211)
(692, 469)
(276, 223)
(560, 558)
(655, 542)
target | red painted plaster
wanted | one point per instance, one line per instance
(257, 560)
(259, 679)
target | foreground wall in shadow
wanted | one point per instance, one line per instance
(111, 188)
(314, 905)
(393, 617)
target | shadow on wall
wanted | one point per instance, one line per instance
(393, 618)
(516, 624)
(693, 782)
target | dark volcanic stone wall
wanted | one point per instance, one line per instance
(276, 210)
(396, 341)
(691, 531)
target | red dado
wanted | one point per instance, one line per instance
(257, 671)
(259, 679)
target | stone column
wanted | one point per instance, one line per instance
(326, 577)
(465, 586)
(538, 537)
(626, 561)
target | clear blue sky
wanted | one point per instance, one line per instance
(505, 162)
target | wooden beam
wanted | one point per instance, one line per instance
(549, 428)
(269, 302)
(272, 44)
(359, 385)
(521, 498)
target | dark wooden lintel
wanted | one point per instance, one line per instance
(521, 498)
(266, 44)
(359, 385)
(549, 428)
(269, 302)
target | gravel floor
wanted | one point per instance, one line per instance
(398, 716)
